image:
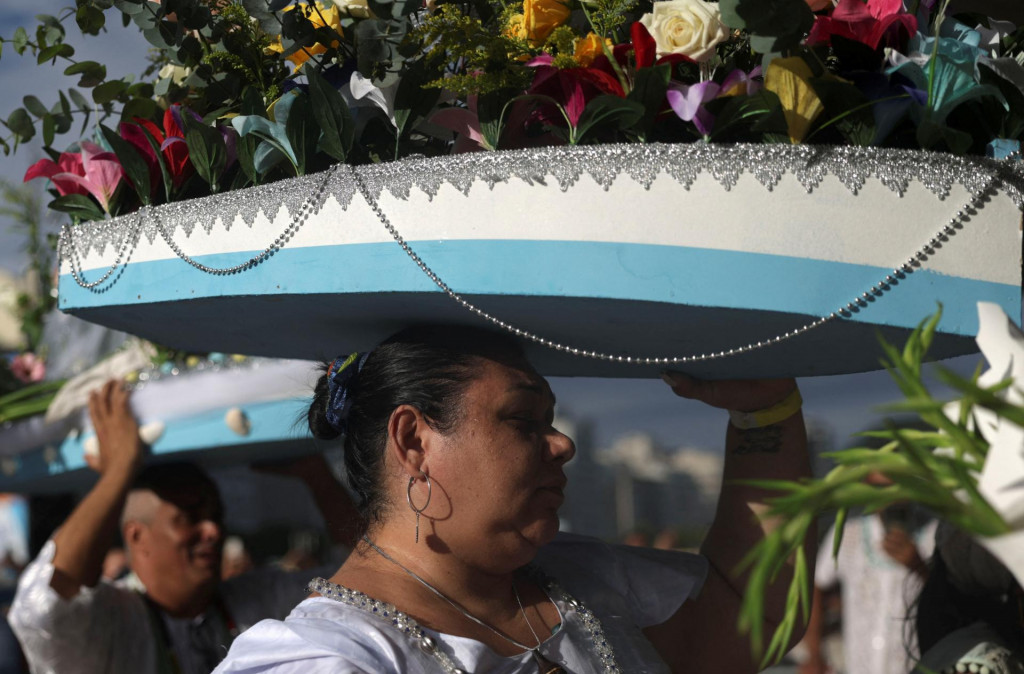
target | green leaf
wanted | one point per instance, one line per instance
(165, 173)
(35, 106)
(81, 101)
(90, 19)
(108, 91)
(245, 148)
(302, 132)
(837, 532)
(21, 124)
(49, 129)
(609, 111)
(145, 108)
(20, 40)
(92, 73)
(331, 114)
(774, 25)
(649, 87)
(207, 150)
(77, 205)
(134, 165)
(52, 52)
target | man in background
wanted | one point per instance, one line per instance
(172, 614)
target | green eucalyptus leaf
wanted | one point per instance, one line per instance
(62, 123)
(62, 106)
(35, 106)
(20, 40)
(135, 168)
(144, 108)
(49, 129)
(55, 51)
(92, 73)
(108, 91)
(21, 124)
(78, 206)
(78, 99)
(90, 19)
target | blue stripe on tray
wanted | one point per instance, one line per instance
(655, 273)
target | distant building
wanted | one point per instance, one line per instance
(637, 485)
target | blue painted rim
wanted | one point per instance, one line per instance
(619, 271)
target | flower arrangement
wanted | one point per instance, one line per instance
(242, 92)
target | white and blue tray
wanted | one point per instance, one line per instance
(215, 416)
(726, 261)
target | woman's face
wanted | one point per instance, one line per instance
(499, 472)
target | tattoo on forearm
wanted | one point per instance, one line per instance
(766, 440)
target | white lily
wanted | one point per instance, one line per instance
(361, 92)
(1002, 477)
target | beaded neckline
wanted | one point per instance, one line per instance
(388, 614)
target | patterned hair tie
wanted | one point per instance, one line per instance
(341, 377)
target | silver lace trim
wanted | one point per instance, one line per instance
(809, 164)
(389, 615)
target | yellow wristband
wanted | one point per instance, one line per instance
(780, 411)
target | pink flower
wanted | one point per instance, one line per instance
(28, 368)
(93, 171)
(868, 23)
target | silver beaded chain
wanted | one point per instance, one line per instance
(915, 261)
(293, 227)
(861, 301)
(66, 250)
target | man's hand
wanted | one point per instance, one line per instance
(116, 430)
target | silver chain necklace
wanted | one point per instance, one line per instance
(544, 666)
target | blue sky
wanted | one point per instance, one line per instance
(844, 403)
(123, 52)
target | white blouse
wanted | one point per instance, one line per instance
(625, 588)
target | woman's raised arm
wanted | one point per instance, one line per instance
(772, 444)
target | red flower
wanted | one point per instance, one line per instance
(572, 88)
(869, 23)
(170, 140)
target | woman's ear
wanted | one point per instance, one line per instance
(409, 436)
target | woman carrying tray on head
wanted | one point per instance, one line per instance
(450, 445)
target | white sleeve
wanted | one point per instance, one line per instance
(309, 646)
(70, 636)
(648, 583)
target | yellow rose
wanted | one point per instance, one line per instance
(320, 17)
(589, 48)
(540, 17)
(688, 27)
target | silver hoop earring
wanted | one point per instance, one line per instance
(408, 497)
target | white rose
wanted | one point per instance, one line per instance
(688, 27)
(358, 9)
